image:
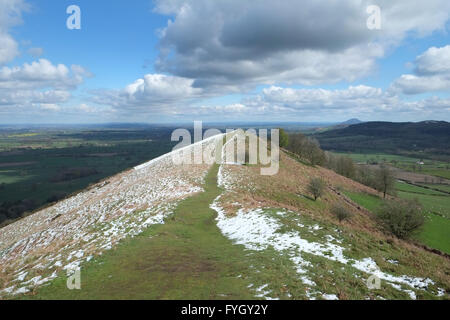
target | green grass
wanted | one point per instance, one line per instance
(27, 175)
(12, 176)
(405, 187)
(189, 258)
(438, 172)
(436, 230)
(186, 258)
(368, 201)
(441, 187)
(436, 204)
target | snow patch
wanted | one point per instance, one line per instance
(256, 230)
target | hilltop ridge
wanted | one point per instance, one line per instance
(213, 231)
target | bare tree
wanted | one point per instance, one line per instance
(316, 187)
(385, 180)
(306, 148)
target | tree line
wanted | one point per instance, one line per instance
(308, 149)
(399, 217)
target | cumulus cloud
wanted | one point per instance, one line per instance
(10, 15)
(354, 100)
(152, 93)
(27, 97)
(236, 44)
(432, 73)
(41, 74)
(39, 82)
(292, 104)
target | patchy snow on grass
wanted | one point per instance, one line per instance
(35, 249)
(330, 297)
(257, 230)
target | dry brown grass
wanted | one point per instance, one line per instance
(292, 180)
(288, 190)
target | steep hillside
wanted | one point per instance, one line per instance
(224, 231)
(36, 249)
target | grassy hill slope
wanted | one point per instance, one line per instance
(243, 235)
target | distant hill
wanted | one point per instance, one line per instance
(428, 137)
(352, 122)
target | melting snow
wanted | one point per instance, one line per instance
(330, 297)
(258, 231)
(62, 236)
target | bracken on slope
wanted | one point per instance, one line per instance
(315, 256)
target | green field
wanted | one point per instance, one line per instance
(367, 201)
(406, 187)
(435, 233)
(40, 168)
(432, 201)
(442, 187)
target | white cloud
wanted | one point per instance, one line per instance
(412, 84)
(8, 48)
(41, 74)
(355, 100)
(27, 97)
(35, 52)
(86, 108)
(291, 104)
(434, 61)
(150, 94)
(233, 45)
(50, 107)
(10, 15)
(432, 73)
(39, 82)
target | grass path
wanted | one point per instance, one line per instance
(186, 258)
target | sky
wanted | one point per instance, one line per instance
(169, 61)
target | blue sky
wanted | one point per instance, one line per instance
(223, 60)
(117, 42)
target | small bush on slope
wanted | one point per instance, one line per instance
(401, 217)
(316, 187)
(341, 212)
